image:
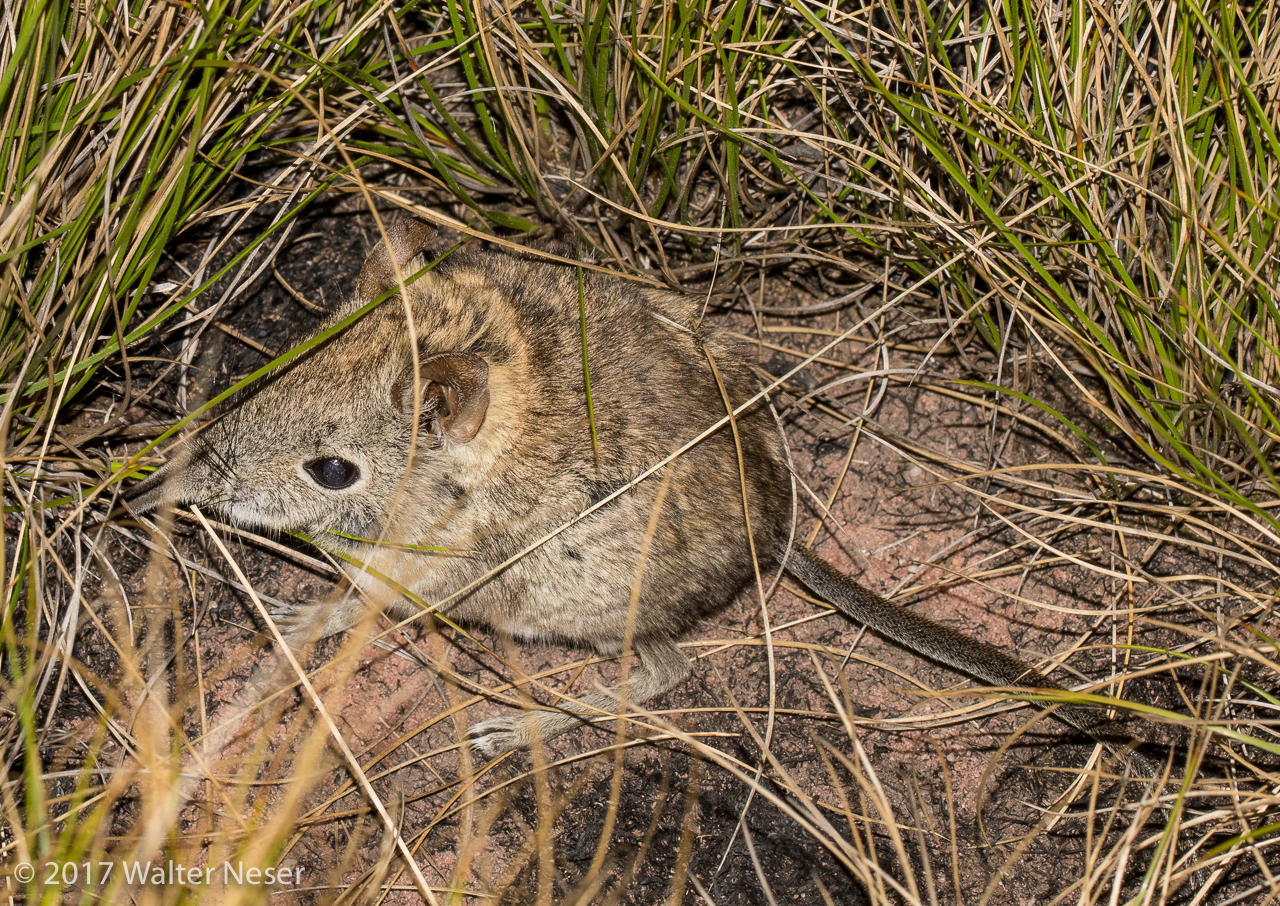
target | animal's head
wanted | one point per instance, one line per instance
(323, 445)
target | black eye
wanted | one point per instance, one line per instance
(333, 473)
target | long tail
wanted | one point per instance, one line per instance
(933, 640)
(965, 654)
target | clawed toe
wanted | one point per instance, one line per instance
(297, 625)
(286, 618)
(499, 735)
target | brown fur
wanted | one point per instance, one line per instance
(486, 445)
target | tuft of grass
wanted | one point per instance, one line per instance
(122, 126)
(1101, 192)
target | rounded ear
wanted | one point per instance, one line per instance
(455, 392)
(406, 237)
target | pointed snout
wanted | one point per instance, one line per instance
(155, 490)
(169, 485)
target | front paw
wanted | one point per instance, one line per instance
(297, 623)
(308, 622)
(499, 735)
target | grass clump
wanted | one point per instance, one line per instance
(1100, 193)
(121, 127)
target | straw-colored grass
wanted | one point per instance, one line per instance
(1059, 218)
